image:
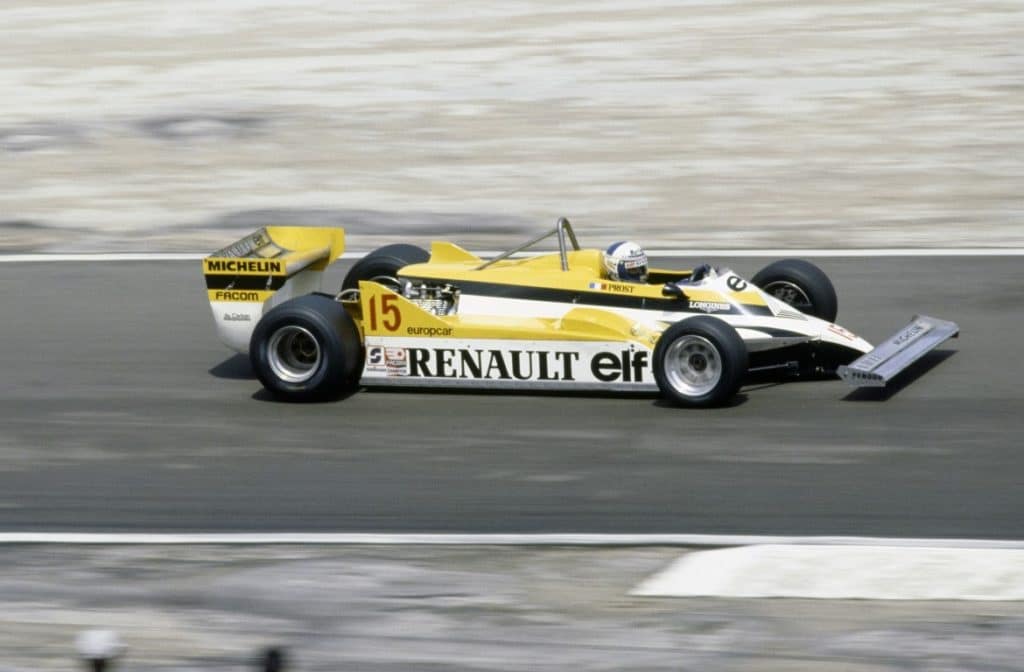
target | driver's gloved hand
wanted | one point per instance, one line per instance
(700, 272)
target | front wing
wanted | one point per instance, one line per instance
(899, 351)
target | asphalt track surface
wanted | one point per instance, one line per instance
(120, 411)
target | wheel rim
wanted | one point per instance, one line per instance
(294, 354)
(787, 292)
(693, 365)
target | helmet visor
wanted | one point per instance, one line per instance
(633, 271)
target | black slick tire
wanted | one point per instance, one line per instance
(306, 349)
(700, 362)
(384, 262)
(802, 285)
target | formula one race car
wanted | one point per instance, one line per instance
(447, 318)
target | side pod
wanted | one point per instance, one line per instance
(896, 353)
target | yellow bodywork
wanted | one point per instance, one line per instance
(585, 273)
(276, 263)
(272, 252)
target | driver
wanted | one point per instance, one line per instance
(625, 261)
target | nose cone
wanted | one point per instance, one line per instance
(843, 337)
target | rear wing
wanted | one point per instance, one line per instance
(263, 269)
(899, 351)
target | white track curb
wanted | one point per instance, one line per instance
(844, 573)
(735, 566)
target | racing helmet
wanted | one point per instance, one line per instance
(625, 261)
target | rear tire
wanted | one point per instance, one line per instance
(384, 262)
(306, 349)
(700, 362)
(802, 285)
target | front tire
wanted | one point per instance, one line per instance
(700, 362)
(384, 262)
(802, 285)
(306, 349)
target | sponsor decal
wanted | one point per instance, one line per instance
(840, 331)
(912, 332)
(235, 295)
(396, 361)
(243, 266)
(491, 364)
(709, 306)
(628, 365)
(619, 288)
(375, 358)
(237, 317)
(392, 361)
(429, 331)
(736, 283)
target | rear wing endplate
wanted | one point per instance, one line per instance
(899, 351)
(263, 269)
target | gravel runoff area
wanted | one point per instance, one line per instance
(173, 126)
(384, 609)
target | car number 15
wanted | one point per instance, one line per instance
(390, 315)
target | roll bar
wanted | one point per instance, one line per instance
(563, 230)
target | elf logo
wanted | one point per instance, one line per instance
(627, 366)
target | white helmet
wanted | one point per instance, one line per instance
(625, 261)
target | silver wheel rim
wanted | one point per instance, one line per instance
(787, 292)
(294, 354)
(693, 365)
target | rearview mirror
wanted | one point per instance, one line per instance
(673, 290)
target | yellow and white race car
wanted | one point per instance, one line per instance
(447, 318)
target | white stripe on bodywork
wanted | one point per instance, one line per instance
(508, 364)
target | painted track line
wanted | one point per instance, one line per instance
(412, 539)
(111, 256)
(754, 253)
